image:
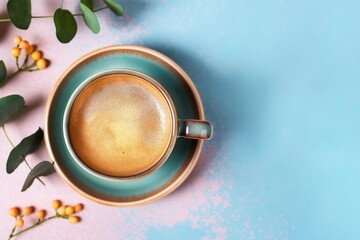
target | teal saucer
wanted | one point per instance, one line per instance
(186, 151)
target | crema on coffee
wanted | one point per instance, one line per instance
(120, 125)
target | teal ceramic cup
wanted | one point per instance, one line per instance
(180, 128)
(184, 155)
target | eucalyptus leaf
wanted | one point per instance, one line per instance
(10, 107)
(88, 3)
(90, 18)
(115, 7)
(65, 25)
(44, 168)
(3, 72)
(19, 12)
(27, 146)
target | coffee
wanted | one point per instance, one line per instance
(120, 125)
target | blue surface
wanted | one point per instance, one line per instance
(280, 81)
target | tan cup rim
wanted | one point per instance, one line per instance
(174, 120)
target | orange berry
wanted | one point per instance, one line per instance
(41, 63)
(19, 222)
(29, 49)
(78, 207)
(36, 55)
(27, 211)
(74, 219)
(55, 204)
(61, 210)
(24, 44)
(69, 210)
(17, 40)
(15, 52)
(14, 211)
(40, 214)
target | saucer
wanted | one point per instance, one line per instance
(186, 151)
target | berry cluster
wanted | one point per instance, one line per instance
(61, 211)
(38, 62)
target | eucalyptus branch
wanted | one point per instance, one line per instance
(11, 106)
(64, 20)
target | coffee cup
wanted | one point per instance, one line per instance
(122, 125)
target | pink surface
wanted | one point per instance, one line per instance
(198, 202)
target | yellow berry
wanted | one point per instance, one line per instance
(17, 40)
(29, 49)
(27, 211)
(40, 214)
(41, 63)
(24, 44)
(69, 210)
(14, 211)
(78, 207)
(74, 219)
(15, 52)
(19, 222)
(36, 55)
(55, 204)
(61, 210)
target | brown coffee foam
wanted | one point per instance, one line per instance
(120, 125)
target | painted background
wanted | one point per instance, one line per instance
(280, 81)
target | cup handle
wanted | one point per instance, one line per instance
(195, 129)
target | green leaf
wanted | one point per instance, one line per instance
(42, 169)
(115, 7)
(19, 12)
(3, 72)
(90, 18)
(27, 146)
(65, 25)
(88, 3)
(10, 107)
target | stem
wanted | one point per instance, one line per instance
(27, 163)
(36, 224)
(21, 69)
(25, 61)
(100, 9)
(41, 16)
(96, 10)
(13, 74)
(12, 231)
(7, 136)
(75, 15)
(12, 144)
(32, 70)
(28, 67)
(17, 63)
